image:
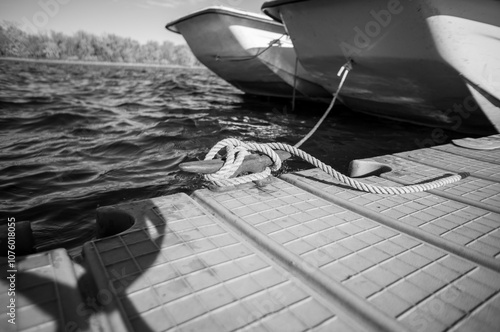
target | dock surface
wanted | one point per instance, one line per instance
(303, 253)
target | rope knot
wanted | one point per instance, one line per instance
(236, 151)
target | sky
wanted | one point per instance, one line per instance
(141, 20)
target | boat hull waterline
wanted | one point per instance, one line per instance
(428, 62)
(250, 51)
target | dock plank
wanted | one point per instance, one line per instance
(468, 231)
(492, 156)
(454, 163)
(397, 274)
(179, 268)
(471, 190)
(486, 155)
(45, 290)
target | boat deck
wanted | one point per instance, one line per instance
(302, 253)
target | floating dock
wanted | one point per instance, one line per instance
(302, 253)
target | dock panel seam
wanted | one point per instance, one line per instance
(344, 299)
(449, 246)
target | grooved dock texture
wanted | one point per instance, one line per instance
(181, 269)
(472, 191)
(474, 229)
(454, 162)
(491, 156)
(400, 276)
(45, 294)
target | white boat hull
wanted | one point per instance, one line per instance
(409, 57)
(235, 45)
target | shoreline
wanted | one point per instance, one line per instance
(98, 63)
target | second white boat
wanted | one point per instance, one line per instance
(248, 50)
(431, 62)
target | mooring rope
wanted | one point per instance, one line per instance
(236, 151)
(250, 57)
(344, 71)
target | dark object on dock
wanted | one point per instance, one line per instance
(24, 242)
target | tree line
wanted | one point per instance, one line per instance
(85, 46)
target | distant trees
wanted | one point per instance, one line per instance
(88, 47)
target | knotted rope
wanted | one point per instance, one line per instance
(237, 150)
